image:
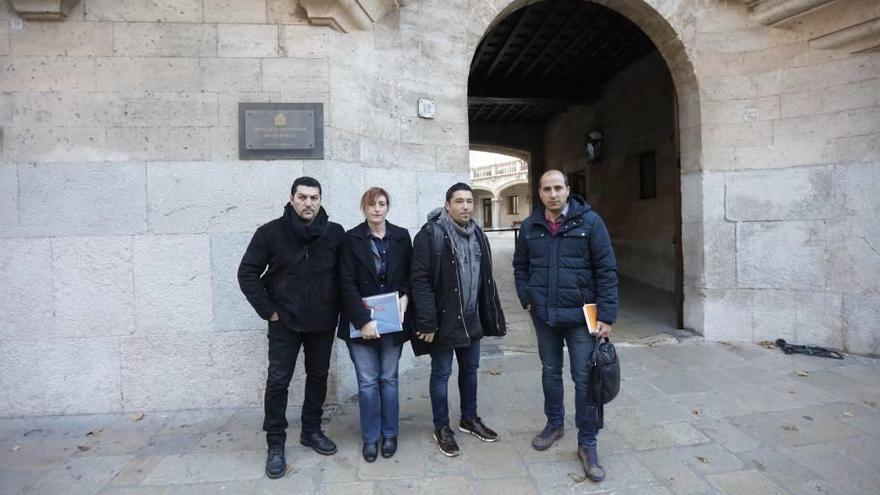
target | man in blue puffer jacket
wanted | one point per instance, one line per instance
(563, 260)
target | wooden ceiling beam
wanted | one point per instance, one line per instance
(572, 17)
(535, 36)
(510, 37)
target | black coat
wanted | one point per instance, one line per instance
(436, 293)
(558, 274)
(301, 283)
(358, 277)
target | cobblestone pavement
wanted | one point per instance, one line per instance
(692, 418)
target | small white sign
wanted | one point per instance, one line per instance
(750, 114)
(426, 108)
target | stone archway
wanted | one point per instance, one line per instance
(667, 28)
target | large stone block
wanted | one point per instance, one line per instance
(728, 315)
(66, 109)
(55, 144)
(861, 312)
(813, 77)
(226, 369)
(778, 155)
(781, 255)
(739, 134)
(59, 376)
(172, 280)
(25, 289)
(82, 199)
(8, 200)
(306, 41)
(231, 74)
(4, 39)
(692, 198)
(309, 75)
(719, 255)
(148, 74)
(235, 10)
(63, 39)
(790, 194)
(219, 197)
(285, 12)
(231, 310)
(163, 11)
(854, 237)
(47, 74)
(171, 110)
(818, 127)
(820, 319)
(737, 111)
(431, 189)
(93, 286)
(165, 40)
(713, 197)
(159, 143)
(693, 253)
(775, 315)
(834, 99)
(7, 107)
(247, 40)
(105, 10)
(391, 154)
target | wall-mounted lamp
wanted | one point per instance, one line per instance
(593, 146)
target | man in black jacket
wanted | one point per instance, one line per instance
(299, 296)
(563, 260)
(456, 304)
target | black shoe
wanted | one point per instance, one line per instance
(547, 437)
(590, 459)
(318, 441)
(276, 464)
(389, 447)
(476, 428)
(446, 441)
(371, 451)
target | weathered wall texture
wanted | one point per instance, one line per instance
(123, 207)
(635, 115)
(125, 210)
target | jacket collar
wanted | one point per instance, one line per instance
(363, 250)
(576, 207)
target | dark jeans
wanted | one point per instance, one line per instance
(375, 364)
(441, 368)
(284, 345)
(580, 346)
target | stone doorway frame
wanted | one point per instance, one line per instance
(651, 17)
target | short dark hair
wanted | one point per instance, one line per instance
(458, 186)
(307, 182)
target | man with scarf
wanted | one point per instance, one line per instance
(289, 274)
(456, 304)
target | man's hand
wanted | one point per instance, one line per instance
(427, 337)
(604, 329)
(274, 317)
(370, 331)
(404, 301)
(528, 307)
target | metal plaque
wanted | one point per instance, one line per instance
(280, 130)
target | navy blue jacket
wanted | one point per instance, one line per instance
(558, 274)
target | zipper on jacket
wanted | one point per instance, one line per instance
(460, 302)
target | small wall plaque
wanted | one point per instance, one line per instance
(268, 131)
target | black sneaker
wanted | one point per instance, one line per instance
(476, 428)
(276, 464)
(318, 441)
(446, 441)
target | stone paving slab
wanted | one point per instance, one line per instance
(788, 433)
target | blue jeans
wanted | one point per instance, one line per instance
(580, 346)
(376, 367)
(441, 369)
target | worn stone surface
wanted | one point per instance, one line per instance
(172, 283)
(781, 255)
(25, 274)
(800, 193)
(148, 74)
(93, 286)
(8, 200)
(231, 309)
(165, 40)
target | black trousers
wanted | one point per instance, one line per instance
(284, 345)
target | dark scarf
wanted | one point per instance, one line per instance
(304, 233)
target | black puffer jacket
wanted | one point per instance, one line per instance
(358, 279)
(558, 274)
(301, 283)
(436, 293)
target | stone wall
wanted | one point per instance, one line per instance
(125, 210)
(635, 115)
